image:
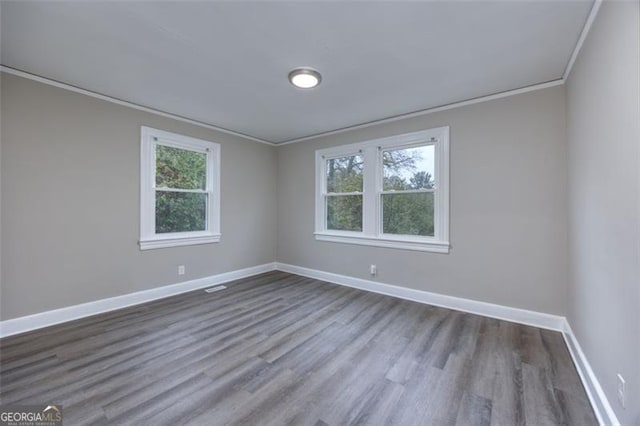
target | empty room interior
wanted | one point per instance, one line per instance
(320, 212)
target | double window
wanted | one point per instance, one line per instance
(390, 192)
(180, 190)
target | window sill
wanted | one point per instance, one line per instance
(158, 243)
(402, 243)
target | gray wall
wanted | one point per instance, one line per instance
(70, 203)
(70, 200)
(603, 116)
(508, 206)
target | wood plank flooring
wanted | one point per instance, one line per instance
(279, 349)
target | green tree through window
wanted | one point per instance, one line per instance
(344, 176)
(183, 170)
(390, 192)
(407, 200)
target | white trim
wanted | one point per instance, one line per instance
(583, 35)
(420, 113)
(521, 316)
(178, 241)
(117, 101)
(402, 244)
(150, 138)
(57, 316)
(595, 393)
(597, 397)
(453, 105)
(371, 152)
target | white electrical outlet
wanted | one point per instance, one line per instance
(180, 269)
(373, 270)
(621, 384)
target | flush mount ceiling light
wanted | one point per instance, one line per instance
(305, 78)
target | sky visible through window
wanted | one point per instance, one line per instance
(424, 161)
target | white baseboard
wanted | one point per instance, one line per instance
(597, 397)
(522, 316)
(57, 316)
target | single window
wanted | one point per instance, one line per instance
(390, 192)
(180, 187)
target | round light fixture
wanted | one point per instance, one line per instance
(305, 78)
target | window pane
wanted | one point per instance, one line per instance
(344, 212)
(344, 174)
(408, 214)
(180, 211)
(410, 168)
(180, 168)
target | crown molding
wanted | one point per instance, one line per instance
(117, 101)
(55, 83)
(583, 35)
(420, 113)
(574, 55)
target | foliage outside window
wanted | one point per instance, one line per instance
(407, 192)
(344, 193)
(390, 192)
(179, 190)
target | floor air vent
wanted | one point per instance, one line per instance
(214, 289)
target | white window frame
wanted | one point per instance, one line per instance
(371, 151)
(149, 239)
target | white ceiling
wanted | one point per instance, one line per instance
(226, 63)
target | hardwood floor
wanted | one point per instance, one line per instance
(282, 349)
